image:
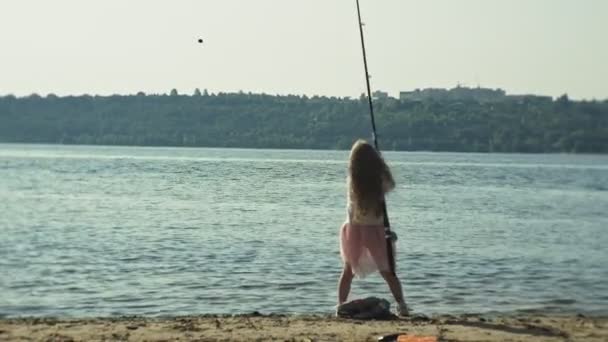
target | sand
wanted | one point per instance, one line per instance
(256, 327)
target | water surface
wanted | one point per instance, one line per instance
(98, 231)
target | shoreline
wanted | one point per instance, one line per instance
(287, 149)
(257, 327)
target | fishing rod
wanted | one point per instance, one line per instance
(387, 225)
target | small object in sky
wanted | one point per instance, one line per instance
(200, 40)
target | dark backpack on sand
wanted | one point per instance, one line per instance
(366, 308)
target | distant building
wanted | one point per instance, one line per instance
(423, 94)
(457, 93)
(478, 94)
(530, 98)
(379, 95)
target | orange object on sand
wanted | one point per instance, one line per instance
(413, 338)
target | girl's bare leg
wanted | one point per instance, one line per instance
(395, 286)
(344, 284)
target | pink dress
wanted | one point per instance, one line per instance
(363, 242)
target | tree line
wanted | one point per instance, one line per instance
(523, 124)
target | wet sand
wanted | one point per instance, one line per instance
(256, 327)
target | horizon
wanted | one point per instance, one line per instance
(68, 48)
(247, 92)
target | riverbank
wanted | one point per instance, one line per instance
(256, 327)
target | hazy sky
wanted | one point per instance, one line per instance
(302, 47)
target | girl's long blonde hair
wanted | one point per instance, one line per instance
(369, 176)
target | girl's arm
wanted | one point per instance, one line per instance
(388, 183)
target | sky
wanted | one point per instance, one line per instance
(311, 47)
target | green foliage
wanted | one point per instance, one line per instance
(264, 121)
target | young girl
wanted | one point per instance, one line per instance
(362, 237)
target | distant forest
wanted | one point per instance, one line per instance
(518, 124)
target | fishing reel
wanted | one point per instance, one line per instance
(390, 235)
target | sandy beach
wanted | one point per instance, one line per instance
(256, 327)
